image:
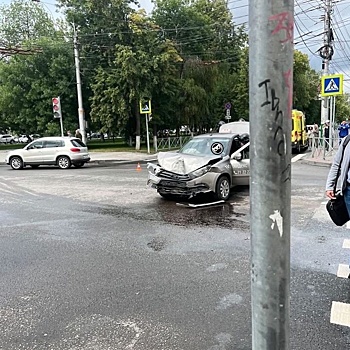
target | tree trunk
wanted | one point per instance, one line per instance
(138, 126)
(155, 138)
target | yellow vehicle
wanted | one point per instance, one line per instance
(300, 139)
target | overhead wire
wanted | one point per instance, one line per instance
(307, 38)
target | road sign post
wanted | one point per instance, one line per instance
(228, 114)
(146, 108)
(228, 110)
(57, 111)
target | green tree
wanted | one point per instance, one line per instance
(101, 25)
(28, 84)
(23, 23)
(306, 82)
(139, 70)
(211, 47)
(342, 108)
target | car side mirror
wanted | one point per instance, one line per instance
(237, 156)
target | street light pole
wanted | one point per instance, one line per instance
(326, 53)
(271, 95)
(80, 96)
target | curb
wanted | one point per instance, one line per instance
(119, 161)
(324, 164)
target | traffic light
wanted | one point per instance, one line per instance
(56, 107)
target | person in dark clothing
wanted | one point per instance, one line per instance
(326, 134)
(78, 134)
(343, 129)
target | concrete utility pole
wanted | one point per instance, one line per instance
(271, 97)
(326, 52)
(80, 96)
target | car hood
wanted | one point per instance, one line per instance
(183, 163)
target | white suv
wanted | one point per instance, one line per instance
(6, 138)
(60, 151)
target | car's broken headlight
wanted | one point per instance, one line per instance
(153, 169)
(199, 172)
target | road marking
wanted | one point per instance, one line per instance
(31, 193)
(346, 243)
(11, 192)
(340, 313)
(297, 157)
(343, 271)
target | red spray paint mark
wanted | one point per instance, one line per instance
(285, 22)
(289, 83)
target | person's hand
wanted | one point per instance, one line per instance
(330, 194)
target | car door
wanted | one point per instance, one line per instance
(33, 152)
(240, 165)
(50, 150)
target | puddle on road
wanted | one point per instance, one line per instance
(231, 214)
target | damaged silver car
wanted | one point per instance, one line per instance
(210, 163)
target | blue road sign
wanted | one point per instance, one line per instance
(332, 85)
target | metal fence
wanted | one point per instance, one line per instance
(169, 143)
(322, 147)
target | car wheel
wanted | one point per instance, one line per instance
(223, 188)
(64, 162)
(16, 163)
(12, 141)
(78, 165)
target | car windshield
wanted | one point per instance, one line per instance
(206, 146)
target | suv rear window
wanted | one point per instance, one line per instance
(77, 143)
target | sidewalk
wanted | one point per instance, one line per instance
(120, 157)
(104, 157)
(317, 160)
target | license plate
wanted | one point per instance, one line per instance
(173, 183)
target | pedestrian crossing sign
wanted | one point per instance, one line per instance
(145, 106)
(332, 85)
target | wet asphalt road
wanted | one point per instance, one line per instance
(93, 259)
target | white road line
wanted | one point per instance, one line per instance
(346, 243)
(31, 193)
(11, 192)
(4, 184)
(297, 157)
(343, 271)
(340, 313)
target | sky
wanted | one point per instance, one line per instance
(308, 29)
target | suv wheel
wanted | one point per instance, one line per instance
(64, 162)
(223, 188)
(16, 163)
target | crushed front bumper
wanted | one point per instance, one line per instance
(178, 187)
